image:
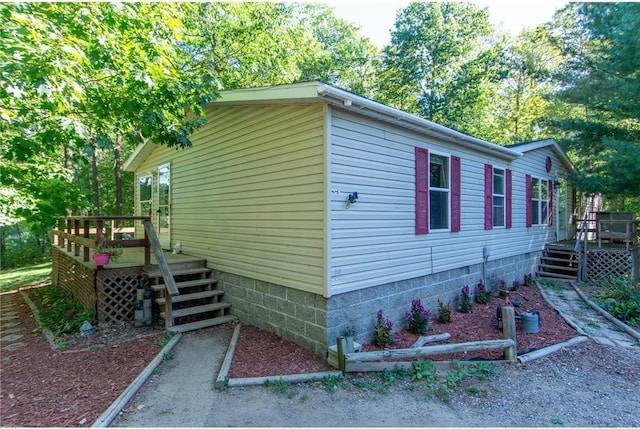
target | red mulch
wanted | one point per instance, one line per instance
(40, 386)
(260, 353)
(44, 387)
(482, 325)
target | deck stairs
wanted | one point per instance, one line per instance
(559, 262)
(199, 304)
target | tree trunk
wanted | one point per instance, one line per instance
(95, 180)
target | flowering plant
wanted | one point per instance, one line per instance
(418, 318)
(445, 314)
(466, 304)
(482, 296)
(383, 336)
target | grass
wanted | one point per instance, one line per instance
(16, 278)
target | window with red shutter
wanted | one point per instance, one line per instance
(422, 190)
(455, 194)
(508, 199)
(488, 196)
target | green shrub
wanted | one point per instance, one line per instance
(61, 313)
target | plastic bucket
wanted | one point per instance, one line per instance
(530, 323)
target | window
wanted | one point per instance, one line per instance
(439, 191)
(498, 203)
(497, 197)
(144, 188)
(539, 201)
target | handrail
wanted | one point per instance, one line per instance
(83, 233)
(169, 282)
(581, 231)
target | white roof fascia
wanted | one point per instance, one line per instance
(139, 154)
(527, 147)
(352, 101)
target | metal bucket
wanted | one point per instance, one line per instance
(530, 323)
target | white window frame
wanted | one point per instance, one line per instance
(501, 196)
(539, 201)
(440, 190)
(140, 200)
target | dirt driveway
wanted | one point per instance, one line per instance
(589, 384)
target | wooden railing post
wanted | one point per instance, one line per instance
(87, 235)
(99, 230)
(69, 230)
(60, 229)
(76, 232)
(147, 246)
(509, 332)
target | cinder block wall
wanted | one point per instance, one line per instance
(296, 315)
(315, 322)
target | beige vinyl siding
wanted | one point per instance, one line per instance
(249, 194)
(374, 241)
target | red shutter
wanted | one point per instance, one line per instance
(550, 191)
(422, 190)
(488, 196)
(507, 198)
(455, 194)
(528, 191)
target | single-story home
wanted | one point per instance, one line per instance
(316, 207)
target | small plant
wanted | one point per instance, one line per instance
(424, 370)
(466, 303)
(383, 336)
(113, 251)
(503, 289)
(61, 313)
(164, 339)
(516, 285)
(280, 387)
(167, 356)
(528, 279)
(445, 314)
(482, 296)
(418, 318)
(330, 382)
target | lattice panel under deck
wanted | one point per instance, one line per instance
(116, 290)
(609, 262)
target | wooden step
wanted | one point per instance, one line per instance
(202, 324)
(183, 272)
(198, 309)
(558, 267)
(192, 296)
(559, 252)
(186, 284)
(548, 258)
(554, 275)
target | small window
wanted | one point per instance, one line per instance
(498, 197)
(145, 190)
(439, 191)
(539, 201)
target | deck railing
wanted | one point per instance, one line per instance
(80, 234)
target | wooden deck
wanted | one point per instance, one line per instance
(133, 257)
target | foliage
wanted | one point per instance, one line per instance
(25, 276)
(482, 296)
(440, 64)
(418, 318)
(383, 336)
(113, 251)
(466, 303)
(596, 100)
(528, 279)
(281, 387)
(503, 289)
(62, 314)
(621, 298)
(445, 313)
(424, 370)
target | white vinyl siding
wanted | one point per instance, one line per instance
(373, 242)
(249, 194)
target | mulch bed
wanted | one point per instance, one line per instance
(482, 324)
(74, 386)
(44, 387)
